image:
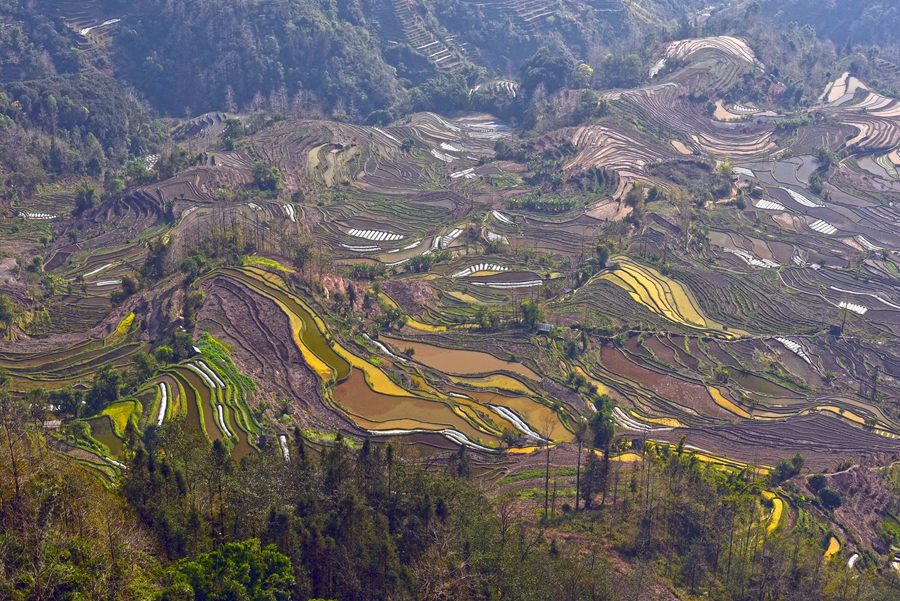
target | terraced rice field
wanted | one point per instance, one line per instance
(627, 155)
(500, 381)
(102, 431)
(775, 519)
(370, 398)
(461, 362)
(658, 293)
(540, 419)
(307, 333)
(718, 323)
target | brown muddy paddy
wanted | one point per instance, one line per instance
(762, 386)
(539, 417)
(460, 362)
(190, 400)
(242, 448)
(193, 385)
(360, 400)
(683, 393)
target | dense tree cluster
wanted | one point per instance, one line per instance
(32, 45)
(197, 56)
(344, 521)
(70, 125)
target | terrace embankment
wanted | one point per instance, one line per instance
(824, 441)
(260, 333)
(376, 411)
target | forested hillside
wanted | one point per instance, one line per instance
(362, 523)
(200, 55)
(865, 22)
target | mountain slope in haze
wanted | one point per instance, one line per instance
(359, 56)
(207, 55)
(858, 21)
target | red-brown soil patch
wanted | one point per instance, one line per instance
(686, 394)
(411, 295)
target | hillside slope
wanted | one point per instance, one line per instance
(859, 21)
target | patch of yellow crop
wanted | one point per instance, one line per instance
(481, 274)
(660, 294)
(644, 292)
(834, 545)
(669, 422)
(648, 292)
(418, 325)
(500, 381)
(777, 510)
(601, 387)
(523, 450)
(628, 456)
(125, 324)
(268, 263)
(122, 328)
(726, 403)
(120, 413)
(462, 297)
(841, 412)
(673, 295)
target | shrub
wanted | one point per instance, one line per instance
(164, 354)
(830, 498)
(786, 469)
(817, 482)
(722, 375)
(265, 177)
(86, 197)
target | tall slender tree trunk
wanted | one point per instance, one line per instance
(547, 483)
(578, 477)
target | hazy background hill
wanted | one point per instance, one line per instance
(859, 21)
